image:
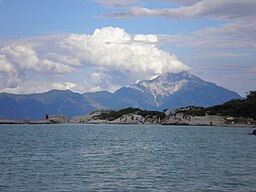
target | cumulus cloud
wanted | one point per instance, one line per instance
(120, 58)
(26, 58)
(16, 60)
(115, 49)
(64, 59)
(114, 58)
(8, 74)
(104, 79)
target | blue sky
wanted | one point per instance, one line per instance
(92, 45)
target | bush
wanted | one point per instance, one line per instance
(235, 107)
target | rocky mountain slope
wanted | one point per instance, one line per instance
(169, 90)
(177, 90)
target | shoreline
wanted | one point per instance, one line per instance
(46, 122)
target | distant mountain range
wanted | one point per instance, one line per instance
(169, 90)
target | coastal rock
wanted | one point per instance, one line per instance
(123, 116)
(129, 119)
(58, 119)
(181, 119)
(254, 132)
(93, 117)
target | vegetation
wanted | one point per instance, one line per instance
(236, 108)
(145, 113)
(112, 115)
(192, 110)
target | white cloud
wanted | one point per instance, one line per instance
(146, 38)
(52, 67)
(9, 76)
(17, 60)
(229, 36)
(28, 87)
(26, 58)
(102, 79)
(64, 59)
(64, 86)
(218, 9)
(114, 49)
(238, 31)
(113, 56)
(23, 56)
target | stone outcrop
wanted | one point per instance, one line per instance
(100, 116)
(129, 119)
(93, 117)
(58, 119)
(181, 119)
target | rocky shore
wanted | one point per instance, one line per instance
(137, 116)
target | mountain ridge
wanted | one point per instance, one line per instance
(170, 85)
(168, 90)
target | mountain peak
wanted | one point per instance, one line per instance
(164, 85)
(184, 75)
(168, 90)
(185, 84)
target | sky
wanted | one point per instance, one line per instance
(95, 45)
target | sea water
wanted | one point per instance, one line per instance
(126, 158)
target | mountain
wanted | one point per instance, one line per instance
(35, 106)
(176, 90)
(169, 90)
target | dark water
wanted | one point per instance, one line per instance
(126, 158)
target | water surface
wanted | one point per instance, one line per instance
(126, 158)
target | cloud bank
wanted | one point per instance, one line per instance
(112, 56)
(237, 31)
(218, 9)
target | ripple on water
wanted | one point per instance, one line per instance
(126, 158)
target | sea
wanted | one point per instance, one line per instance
(63, 158)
